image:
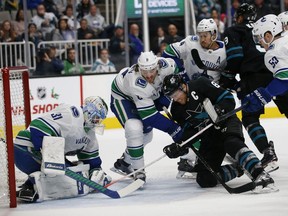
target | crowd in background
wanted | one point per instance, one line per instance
(53, 21)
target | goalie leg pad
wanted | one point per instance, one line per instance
(50, 187)
(53, 161)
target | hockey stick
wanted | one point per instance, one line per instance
(201, 65)
(241, 189)
(111, 193)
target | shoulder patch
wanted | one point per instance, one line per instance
(194, 38)
(141, 82)
(75, 111)
(163, 63)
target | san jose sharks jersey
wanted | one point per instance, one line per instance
(211, 58)
(199, 90)
(129, 84)
(64, 121)
(276, 58)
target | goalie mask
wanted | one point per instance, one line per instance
(269, 23)
(94, 110)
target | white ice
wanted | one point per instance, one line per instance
(165, 195)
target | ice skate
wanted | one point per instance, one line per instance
(27, 193)
(185, 169)
(140, 175)
(269, 160)
(264, 184)
(121, 167)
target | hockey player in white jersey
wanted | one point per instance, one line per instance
(267, 31)
(136, 100)
(211, 51)
(284, 20)
(67, 130)
(213, 54)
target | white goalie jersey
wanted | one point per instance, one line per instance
(64, 121)
(211, 58)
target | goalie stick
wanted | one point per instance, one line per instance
(108, 192)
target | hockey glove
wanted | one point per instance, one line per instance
(100, 177)
(174, 150)
(256, 100)
(220, 111)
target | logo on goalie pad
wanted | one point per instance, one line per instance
(55, 166)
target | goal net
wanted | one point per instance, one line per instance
(14, 116)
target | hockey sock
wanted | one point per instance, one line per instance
(229, 172)
(249, 161)
(258, 136)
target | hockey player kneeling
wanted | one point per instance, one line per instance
(41, 150)
(226, 137)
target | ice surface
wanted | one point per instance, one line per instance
(165, 195)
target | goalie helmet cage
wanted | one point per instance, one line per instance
(15, 114)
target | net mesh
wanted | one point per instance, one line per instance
(18, 122)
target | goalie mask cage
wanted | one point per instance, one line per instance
(14, 116)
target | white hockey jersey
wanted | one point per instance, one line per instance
(64, 121)
(129, 84)
(276, 58)
(211, 58)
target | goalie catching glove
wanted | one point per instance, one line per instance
(174, 150)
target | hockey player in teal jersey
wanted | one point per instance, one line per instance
(74, 125)
(136, 100)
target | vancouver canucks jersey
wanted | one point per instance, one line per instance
(64, 121)
(276, 58)
(211, 58)
(129, 84)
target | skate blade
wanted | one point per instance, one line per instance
(271, 188)
(185, 175)
(271, 167)
(113, 169)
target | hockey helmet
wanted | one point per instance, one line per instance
(147, 61)
(207, 25)
(248, 11)
(171, 84)
(269, 23)
(283, 18)
(94, 110)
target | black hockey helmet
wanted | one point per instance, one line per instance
(171, 84)
(248, 11)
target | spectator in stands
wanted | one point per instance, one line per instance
(51, 7)
(7, 32)
(83, 9)
(135, 44)
(19, 24)
(69, 13)
(70, 66)
(11, 5)
(262, 9)
(117, 48)
(85, 33)
(162, 47)
(34, 35)
(63, 32)
(96, 21)
(286, 5)
(234, 6)
(44, 65)
(221, 26)
(103, 64)
(45, 21)
(172, 34)
(157, 40)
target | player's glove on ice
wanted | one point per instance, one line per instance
(174, 150)
(256, 100)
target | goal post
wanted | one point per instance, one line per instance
(15, 115)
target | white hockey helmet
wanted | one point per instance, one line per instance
(94, 110)
(147, 61)
(283, 18)
(269, 23)
(207, 25)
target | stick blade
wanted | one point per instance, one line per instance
(131, 188)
